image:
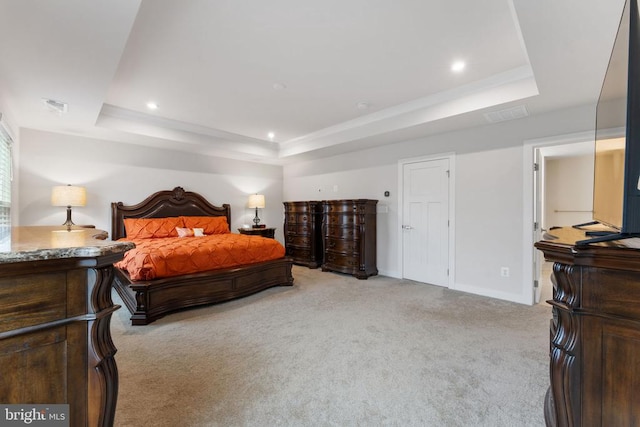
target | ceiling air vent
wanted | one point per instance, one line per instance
(56, 106)
(507, 114)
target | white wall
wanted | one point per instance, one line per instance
(115, 172)
(568, 191)
(488, 194)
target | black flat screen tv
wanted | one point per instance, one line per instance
(616, 192)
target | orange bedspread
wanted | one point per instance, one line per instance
(174, 256)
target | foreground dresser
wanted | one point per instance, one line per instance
(349, 231)
(595, 331)
(303, 232)
(55, 339)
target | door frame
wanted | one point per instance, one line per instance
(451, 235)
(529, 206)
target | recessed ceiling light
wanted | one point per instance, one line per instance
(363, 105)
(279, 86)
(271, 135)
(457, 66)
(152, 105)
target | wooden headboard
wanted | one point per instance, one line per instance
(176, 202)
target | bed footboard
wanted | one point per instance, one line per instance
(148, 301)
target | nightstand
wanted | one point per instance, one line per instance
(264, 232)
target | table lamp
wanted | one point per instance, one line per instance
(256, 201)
(68, 195)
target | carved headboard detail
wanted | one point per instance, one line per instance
(176, 202)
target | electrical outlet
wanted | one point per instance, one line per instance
(504, 271)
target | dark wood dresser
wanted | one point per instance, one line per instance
(595, 331)
(303, 232)
(349, 231)
(55, 339)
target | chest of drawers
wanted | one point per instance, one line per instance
(302, 232)
(594, 350)
(349, 235)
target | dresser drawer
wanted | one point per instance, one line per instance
(298, 229)
(342, 232)
(299, 253)
(339, 245)
(32, 299)
(349, 206)
(298, 218)
(301, 208)
(342, 219)
(295, 240)
(338, 260)
(341, 207)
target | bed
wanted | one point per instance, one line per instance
(150, 299)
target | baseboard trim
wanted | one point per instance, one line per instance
(387, 273)
(506, 296)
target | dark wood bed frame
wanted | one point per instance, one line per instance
(152, 299)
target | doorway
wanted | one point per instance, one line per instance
(561, 176)
(425, 218)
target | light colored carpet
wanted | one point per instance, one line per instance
(336, 351)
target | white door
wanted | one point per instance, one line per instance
(425, 221)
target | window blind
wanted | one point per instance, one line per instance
(6, 176)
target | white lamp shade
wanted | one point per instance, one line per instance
(68, 195)
(256, 201)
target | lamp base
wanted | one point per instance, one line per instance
(256, 221)
(68, 222)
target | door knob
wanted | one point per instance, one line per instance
(407, 227)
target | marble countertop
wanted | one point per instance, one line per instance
(34, 243)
